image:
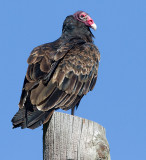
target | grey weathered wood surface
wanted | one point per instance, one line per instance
(68, 137)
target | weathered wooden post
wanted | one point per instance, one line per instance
(68, 137)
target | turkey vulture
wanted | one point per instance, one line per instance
(59, 73)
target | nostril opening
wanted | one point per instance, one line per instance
(90, 21)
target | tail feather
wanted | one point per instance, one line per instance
(45, 117)
(18, 118)
(30, 119)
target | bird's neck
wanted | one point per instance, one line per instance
(86, 36)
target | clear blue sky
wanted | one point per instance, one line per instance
(118, 101)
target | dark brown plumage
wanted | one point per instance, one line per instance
(59, 74)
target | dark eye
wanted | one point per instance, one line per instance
(82, 16)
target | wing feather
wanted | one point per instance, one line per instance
(45, 64)
(60, 78)
(52, 100)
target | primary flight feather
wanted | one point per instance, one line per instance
(60, 73)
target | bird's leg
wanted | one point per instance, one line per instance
(72, 111)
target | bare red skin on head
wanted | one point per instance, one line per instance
(89, 21)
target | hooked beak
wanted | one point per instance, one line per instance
(93, 26)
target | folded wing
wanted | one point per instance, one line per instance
(58, 76)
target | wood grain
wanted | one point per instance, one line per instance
(68, 137)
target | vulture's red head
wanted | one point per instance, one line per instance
(78, 25)
(85, 18)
